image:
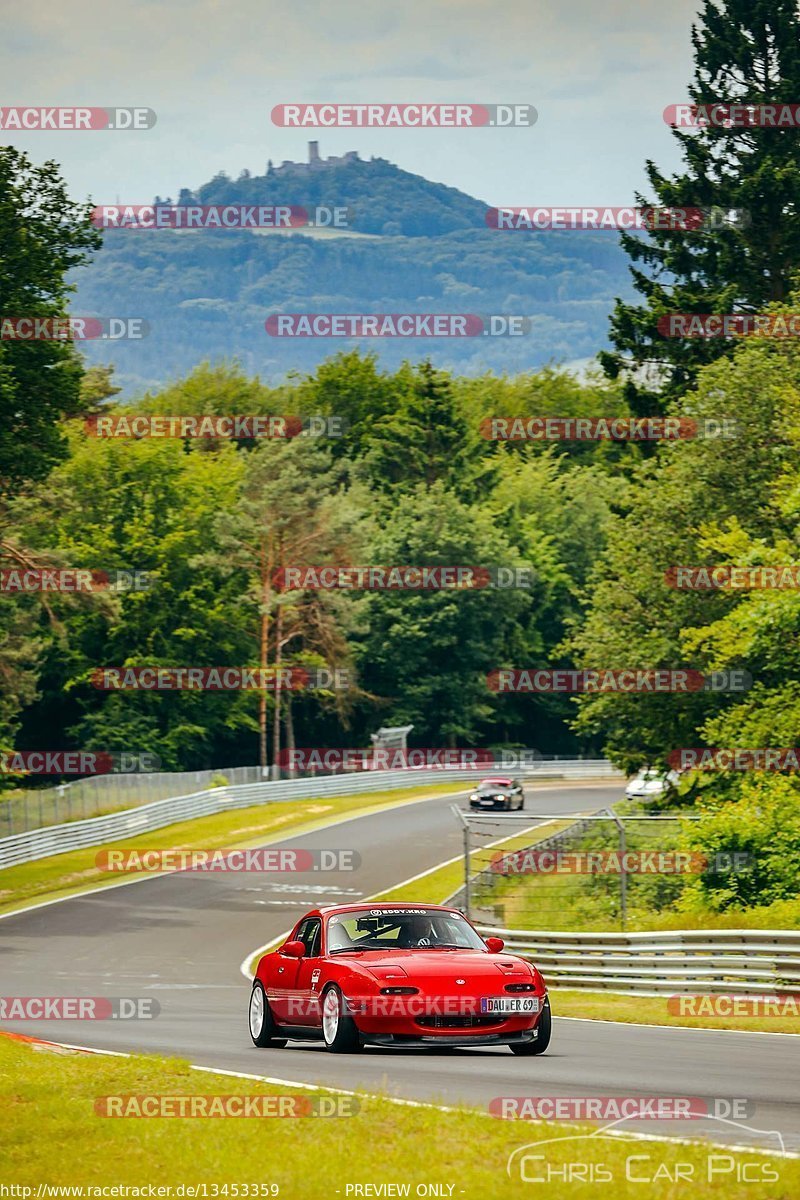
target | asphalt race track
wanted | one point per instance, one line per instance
(181, 939)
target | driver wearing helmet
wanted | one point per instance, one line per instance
(419, 932)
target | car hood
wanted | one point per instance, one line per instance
(440, 964)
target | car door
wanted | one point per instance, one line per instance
(300, 1003)
(309, 969)
(282, 991)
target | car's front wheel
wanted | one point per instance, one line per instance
(542, 1039)
(338, 1027)
(262, 1026)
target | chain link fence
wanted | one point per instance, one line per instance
(21, 811)
(99, 794)
(583, 871)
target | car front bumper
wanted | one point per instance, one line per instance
(463, 1038)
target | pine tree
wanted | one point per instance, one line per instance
(745, 51)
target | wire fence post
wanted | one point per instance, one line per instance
(466, 871)
(623, 878)
(623, 874)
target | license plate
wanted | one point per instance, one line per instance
(509, 1004)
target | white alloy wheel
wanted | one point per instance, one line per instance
(330, 1016)
(256, 1012)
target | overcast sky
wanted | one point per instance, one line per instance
(599, 74)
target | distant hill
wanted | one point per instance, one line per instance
(385, 199)
(416, 246)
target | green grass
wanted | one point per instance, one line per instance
(50, 1133)
(652, 1010)
(68, 874)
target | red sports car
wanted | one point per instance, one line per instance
(397, 975)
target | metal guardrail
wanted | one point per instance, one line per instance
(130, 822)
(744, 962)
(22, 810)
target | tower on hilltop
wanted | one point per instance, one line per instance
(313, 152)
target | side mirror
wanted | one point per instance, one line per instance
(494, 944)
(292, 949)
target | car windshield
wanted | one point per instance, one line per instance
(411, 929)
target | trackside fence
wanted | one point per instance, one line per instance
(95, 831)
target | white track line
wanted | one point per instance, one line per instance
(681, 1028)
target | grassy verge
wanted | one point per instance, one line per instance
(567, 904)
(74, 872)
(652, 1010)
(52, 1134)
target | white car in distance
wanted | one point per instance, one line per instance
(650, 784)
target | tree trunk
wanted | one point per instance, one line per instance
(263, 662)
(289, 727)
(276, 716)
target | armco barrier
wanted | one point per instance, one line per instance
(744, 962)
(130, 822)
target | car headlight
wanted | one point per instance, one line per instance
(473, 796)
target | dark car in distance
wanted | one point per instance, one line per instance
(498, 793)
